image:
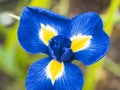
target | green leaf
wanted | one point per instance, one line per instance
(113, 9)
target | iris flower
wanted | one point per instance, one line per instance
(63, 39)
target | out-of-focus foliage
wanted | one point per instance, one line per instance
(41, 3)
(14, 62)
(108, 26)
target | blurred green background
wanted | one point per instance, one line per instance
(14, 62)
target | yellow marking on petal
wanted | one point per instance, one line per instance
(46, 33)
(80, 42)
(54, 70)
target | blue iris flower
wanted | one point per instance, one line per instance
(63, 39)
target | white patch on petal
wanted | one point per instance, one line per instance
(56, 70)
(80, 42)
(46, 33)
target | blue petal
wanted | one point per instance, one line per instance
(86, 24)
(91, 24)
(98, 48)
(29, 27)
(72, 78)
(36, 78)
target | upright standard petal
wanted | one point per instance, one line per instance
(37, 26)
(92, 42)
(72, 78)
(37, 78)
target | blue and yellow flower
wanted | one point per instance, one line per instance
(63, 40)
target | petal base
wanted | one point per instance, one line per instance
(54, 70)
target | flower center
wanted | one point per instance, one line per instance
(59, 48)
